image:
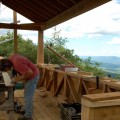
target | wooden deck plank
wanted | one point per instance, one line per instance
(49, 104)
(37, 115)
(42, 114)
(45, 108)
(3, 116)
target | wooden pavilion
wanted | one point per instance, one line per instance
(100, 97)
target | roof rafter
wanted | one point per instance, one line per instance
(30, 26)
(80, 8)
(52, 12)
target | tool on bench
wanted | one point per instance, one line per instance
(16, 104)
(6, 86)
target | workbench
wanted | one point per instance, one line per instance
(7, 86)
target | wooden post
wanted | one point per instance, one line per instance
(40, 51)
(15, 33)
(11, 102)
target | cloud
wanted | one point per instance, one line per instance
(103, 20)
(32, 35)
(114, 41)
(4, 31)
(100, 21)
(23, 19)
(6, 16)
(99, 24)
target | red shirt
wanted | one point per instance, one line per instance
(22, 65)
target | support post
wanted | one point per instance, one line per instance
(40, 50)
(11, 101)
(15, 33)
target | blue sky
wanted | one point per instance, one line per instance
(94, 33)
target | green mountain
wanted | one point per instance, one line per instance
(104, 59)
(110, 64)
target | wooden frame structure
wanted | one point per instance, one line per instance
(71, 86)
(45, 14)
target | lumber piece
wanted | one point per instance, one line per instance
(102, 96)
(7, 80)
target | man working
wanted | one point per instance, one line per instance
(29, 73)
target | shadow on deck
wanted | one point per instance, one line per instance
(45, 108)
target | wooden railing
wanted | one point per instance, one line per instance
(72, 85)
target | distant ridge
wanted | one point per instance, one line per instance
(104, 59)
(110, 64)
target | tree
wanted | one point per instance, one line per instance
(25, 47)
(90, 66)
(28, 49)
(57, 43)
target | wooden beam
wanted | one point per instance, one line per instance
(82, 7)
(29, 26)
(40, 50)
(72, 89)
(15, 33)
(60, 56)
(73, 1)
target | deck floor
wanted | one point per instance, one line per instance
(45, 108)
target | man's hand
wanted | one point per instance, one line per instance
(18, 78)
(13, 80)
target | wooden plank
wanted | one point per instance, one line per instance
(21, 26)
(45, 108)
(15, 33)
(42, 111)
(85, 86)
(61, 84)
(102, 96)
(101, 113)
(114, 102)
(50, 82)
(11, 103)
(72, 89)
(40, 49)
(85, 73)
(7, 80)
(50, 107)
(66, 88)
(79, 90)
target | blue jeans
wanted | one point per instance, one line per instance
(30, 87)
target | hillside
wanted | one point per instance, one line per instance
(110, 64)
(104, 59)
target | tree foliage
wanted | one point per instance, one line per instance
(25, 47)
(57, 43)
(28, 49)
